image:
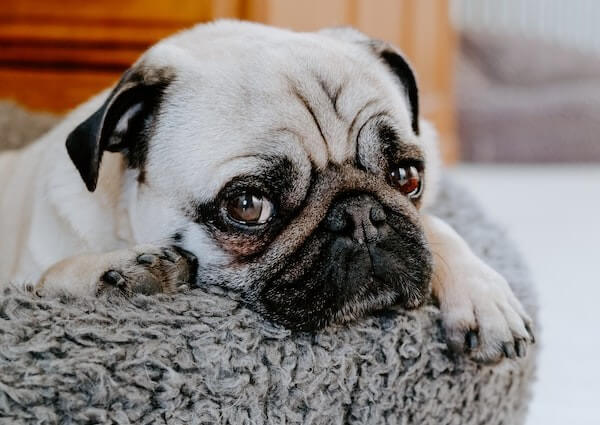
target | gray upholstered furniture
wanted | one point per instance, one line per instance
(524, 100)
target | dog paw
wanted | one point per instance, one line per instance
(483, 318)
(149, 271)
(139, 270)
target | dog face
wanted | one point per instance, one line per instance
(293, 165)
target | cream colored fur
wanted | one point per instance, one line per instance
(231, 89)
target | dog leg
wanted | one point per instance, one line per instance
(480, 313)
(143, 269)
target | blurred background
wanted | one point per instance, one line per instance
(513, 87)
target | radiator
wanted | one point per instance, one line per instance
(573, 23)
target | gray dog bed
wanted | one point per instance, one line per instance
(201, 357)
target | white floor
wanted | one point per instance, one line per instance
(553, 215)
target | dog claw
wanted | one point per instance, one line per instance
(147, 259)
(114, 278)
(509, 350)
(169, 254)
(530, 332)
(472, 340)
(521, 348)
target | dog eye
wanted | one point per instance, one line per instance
(407, 179)
(250, 209)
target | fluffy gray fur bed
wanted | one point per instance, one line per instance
(201, 357)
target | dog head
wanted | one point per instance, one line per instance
(293, 165)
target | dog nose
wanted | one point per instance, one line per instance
(360, 217)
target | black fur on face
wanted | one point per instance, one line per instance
(348, 246)
(343, 241)
(278, 180)
(363, 256)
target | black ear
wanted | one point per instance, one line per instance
(122, 124)
(404, 73)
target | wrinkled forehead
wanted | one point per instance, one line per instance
(304, 99)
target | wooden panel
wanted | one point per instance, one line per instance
(226, 9)
(82, 33)
(306, 15)
(108, 10)
(53, 90)
(56, 53)
(390, 20)
(58, 57)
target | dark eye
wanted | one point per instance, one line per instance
(407, 179)
(250, 209)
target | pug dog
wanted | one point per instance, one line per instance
(293, 168)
